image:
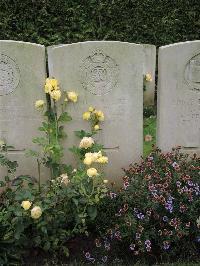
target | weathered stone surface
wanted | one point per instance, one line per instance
(109, 76)
(179, 96)
(22, 76)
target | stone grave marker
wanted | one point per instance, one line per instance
(22, 77)
(179, 96)
(109, 76)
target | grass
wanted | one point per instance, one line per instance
(149, 129)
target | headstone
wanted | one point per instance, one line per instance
(22, 77)
(109, 76)
(179, 96)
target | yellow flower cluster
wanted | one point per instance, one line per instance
(95, 157)
(95, 116)
(36, 211)
(52, 88)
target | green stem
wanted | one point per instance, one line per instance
(39, 175)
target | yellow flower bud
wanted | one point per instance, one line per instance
(105, 181)
(102, 159)
(100, 115)
(148, 77)
(56, 95)
(39, 104)
(26, 204)
(91, 109)
(72, 96)
(96, 127)
(36, 212)
(86, 116)
(92, 172)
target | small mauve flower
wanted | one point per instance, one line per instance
(166, 245)
(107, 245)
(136, 253)
(148, 249)
(132, 247)
(104, 259)
(98, 243)
(148, 138)
(147, 242)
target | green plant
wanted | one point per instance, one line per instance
(155, 215)
(56, 116)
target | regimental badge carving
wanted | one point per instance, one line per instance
(9, 75)
(99, 73)
(192, 73)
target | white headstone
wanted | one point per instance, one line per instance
(108, 76)
(179, 96)
(22, 77)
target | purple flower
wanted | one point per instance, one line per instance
(107, 245)
(165, 219)
(166, 245)
(178, 183)
(89, 258)
(169, 204)
(147, 242)
(132, 247)
(104, 259)
(140, 216)
(190, 183)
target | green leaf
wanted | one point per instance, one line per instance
(92, 212)
(64, 117)
(80, 134)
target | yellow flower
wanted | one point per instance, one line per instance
(88, 161)
(50, 85)
(86, 142)
(148, 77)
(56, 94)
(36, 212)
(72, 96)
(26, 204)
(65, 179)
(86, 116)
(105, 181)
(39, 104)
(96, 127)
(100, 115)
(91, 109)
(102, 159)
(92, 172)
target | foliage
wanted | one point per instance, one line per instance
(52, 213)
(158, 22)
(149, 130)
(155, 215)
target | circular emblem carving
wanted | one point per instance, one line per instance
(192, 73)
(99, 73)
(9, 75)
